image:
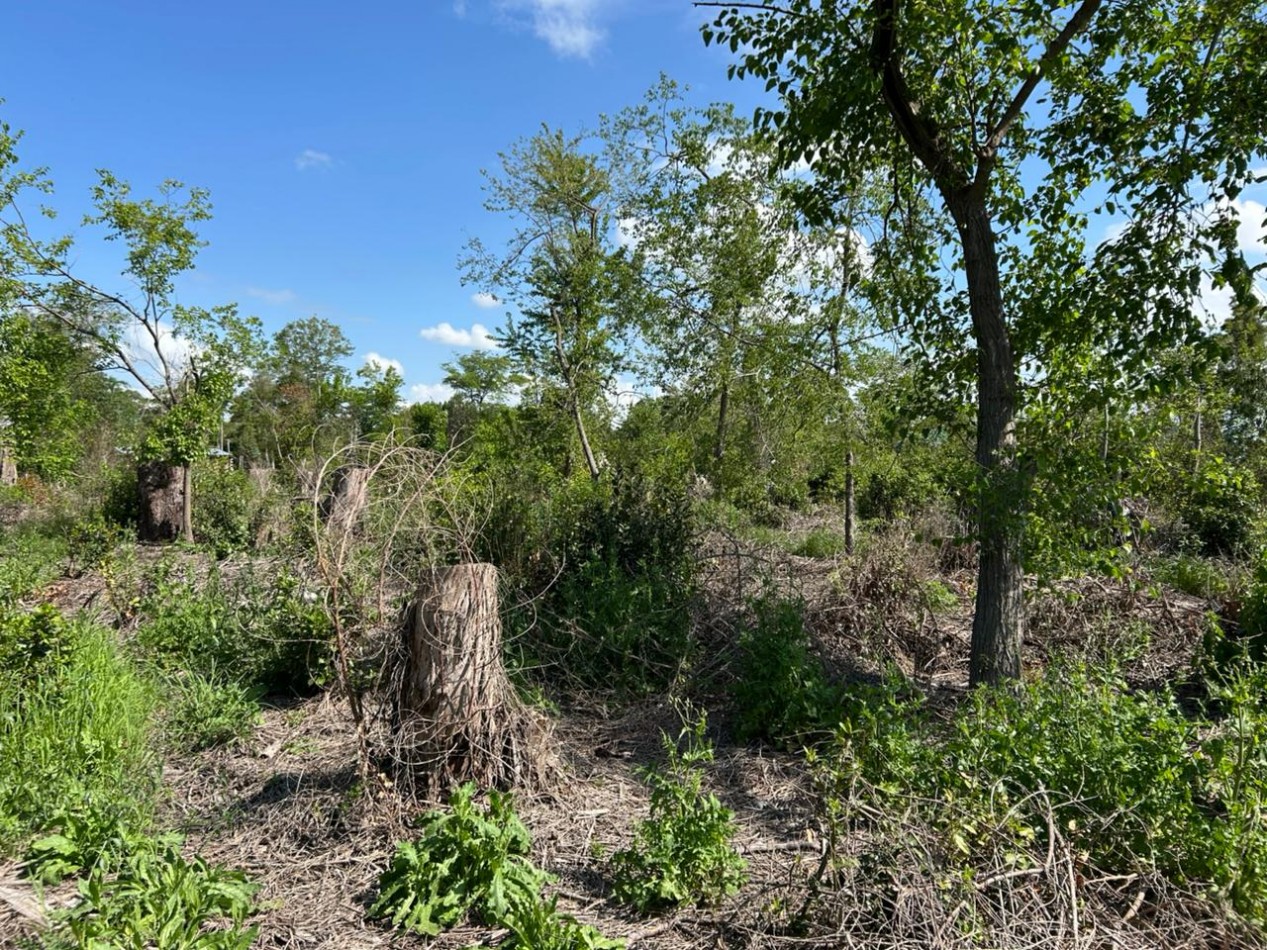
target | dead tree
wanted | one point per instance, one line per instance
(458, 716)
(161, 490)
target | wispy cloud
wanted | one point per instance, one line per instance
(276, 297)
(382, 362)
(430, 392)
(570, 27)
(485, 301)
(310, 158)
(459, 7)
(476, 338)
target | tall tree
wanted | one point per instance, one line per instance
(1148, 109)
(560, 268)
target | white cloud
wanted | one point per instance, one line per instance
(1250, 232)
(476, 338)
(382, 362)
(627, 232)
(139, 346)
(485, 301)
(459, 7)
(311, 158)
(570, 27)
(276, 297)
(429, 392)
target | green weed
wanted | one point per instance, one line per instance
(682, 853)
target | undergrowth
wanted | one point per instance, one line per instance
(1135, 783)
(682, 853)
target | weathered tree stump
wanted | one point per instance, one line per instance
(161, 491)
(459, 718)
(8, 468)
(349, 494)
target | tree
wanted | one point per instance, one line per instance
(560, 269)
(1148, 110)
(186, 359)
(482, 377)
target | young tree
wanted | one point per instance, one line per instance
(560, 269)
(482, 377)
(1145, 109)
(185, 359)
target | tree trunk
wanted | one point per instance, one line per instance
(349, 494)
(458, 716)
(723, 405)
(590, 462)
(8, 468)
(187, 503)
(998, 626)
(161, 492)
(849, 503)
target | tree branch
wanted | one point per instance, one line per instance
(1077, 23)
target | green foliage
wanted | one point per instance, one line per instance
(1219, 504)
(467, 860)
(616, 564)
(261, 628)
(781, 690)
(820, 543)
(1134, 781)
(1194, 575)
(682, 853)
(74, 733)
(159, 899)
(225, 506)
(29, 559)
(207, 710)
(539, 926)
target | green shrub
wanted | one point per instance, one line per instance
(466, 861)
(225, 506)
(159, 899)
(74, 732)
(1132, 780)
(820, 543)
(682, 853)
(540, 926)
(1196, 576)
(261, 628)
(28, 561)
(781, 691)
(1219, 504)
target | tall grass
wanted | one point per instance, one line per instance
(75, 716)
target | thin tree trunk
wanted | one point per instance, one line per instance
(998, 626)
(1197, 441)
(849, 503)
(590, 462)
(723, 407)
(187, 503)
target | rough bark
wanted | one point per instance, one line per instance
(458, 716)
(849, 503)
(723, 405)
(998, 625)
(161, 492)
(8, 469)
(349, 494)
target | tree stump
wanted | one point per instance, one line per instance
(349, 494)
(161, 490)
(459, 718)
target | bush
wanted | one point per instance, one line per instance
(1134, 782)
(74, 733)
(1196, 576)
(29, 561)
(204, 711)
(263, 629)
(1219, 504)
(466, 861)
(781, 691)
(682, 853)
(820, 543)
(616, 561)
(225, 506)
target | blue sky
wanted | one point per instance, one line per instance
(342, 143)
